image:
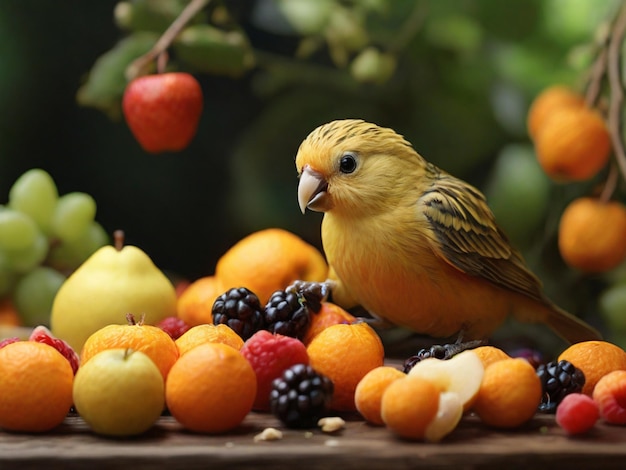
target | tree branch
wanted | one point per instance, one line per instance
(617, 91)
(139, 65)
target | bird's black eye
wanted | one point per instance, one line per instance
(347, 164)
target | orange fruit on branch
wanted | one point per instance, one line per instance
(574, 144)
(547, 103)
(592, 234)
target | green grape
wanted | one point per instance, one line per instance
(29, 257)
(17, 230)
(72, 215)
(7, 275)
(35, 194)
(70, 255)
(34, 294)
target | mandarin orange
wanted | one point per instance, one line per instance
(36, 387)
(345, 353)
(211, 388)
(595, 359)
(210, 333)
(149, 339)
(195, 303)
(269, 260)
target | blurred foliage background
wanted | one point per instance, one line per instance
(456, 77)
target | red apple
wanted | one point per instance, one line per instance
(163, 110)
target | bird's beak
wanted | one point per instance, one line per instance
(312, 190)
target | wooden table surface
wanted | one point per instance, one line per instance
(539, 444)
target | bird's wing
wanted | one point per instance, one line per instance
(467, 237)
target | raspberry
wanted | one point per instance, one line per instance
(577, 413)
(6, 341)
(301, 396)
(240, 309)
(558, 379)
(173, 326)
(270, 355)
(286, 313)
(610, 396)
(41, 334)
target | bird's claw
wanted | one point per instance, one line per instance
(314, 293)
(443, 351)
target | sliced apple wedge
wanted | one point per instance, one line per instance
(449, 413)
(462, 374)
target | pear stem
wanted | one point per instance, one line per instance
(118, 240)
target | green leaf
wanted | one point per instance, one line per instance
(210, 50)
(106, 81)
(150, 15)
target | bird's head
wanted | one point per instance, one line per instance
(352, 166)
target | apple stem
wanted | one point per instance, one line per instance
(139, 65)
(130, 318)
(118, 240)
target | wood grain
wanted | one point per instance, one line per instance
(540, 444)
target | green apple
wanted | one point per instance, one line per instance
(119, 392)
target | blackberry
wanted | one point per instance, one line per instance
(440, 351)
(287, 313)
(240, 309)
(314, 293)
(558, 379)
(301, 396)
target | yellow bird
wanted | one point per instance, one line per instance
(414, 245)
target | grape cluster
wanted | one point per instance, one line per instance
(43, 238)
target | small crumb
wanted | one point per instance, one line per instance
(229, 444)
(308, 435)
(331, 443)
(331, 424)
(269, 434)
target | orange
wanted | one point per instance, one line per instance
(509, 394)
(345, 353)
(369, 392)
(592, 234)
(211, 388)
(409, 405)
(490, 354)
(547, 103)
(149, 339)
(202, 334)
(8, 313)
(195, 303)
(573, 145)
(329, 314)
(595, 359)
(269, 260)
(36, 387)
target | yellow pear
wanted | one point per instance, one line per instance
(114, 281)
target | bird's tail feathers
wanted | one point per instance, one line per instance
(568, 326)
